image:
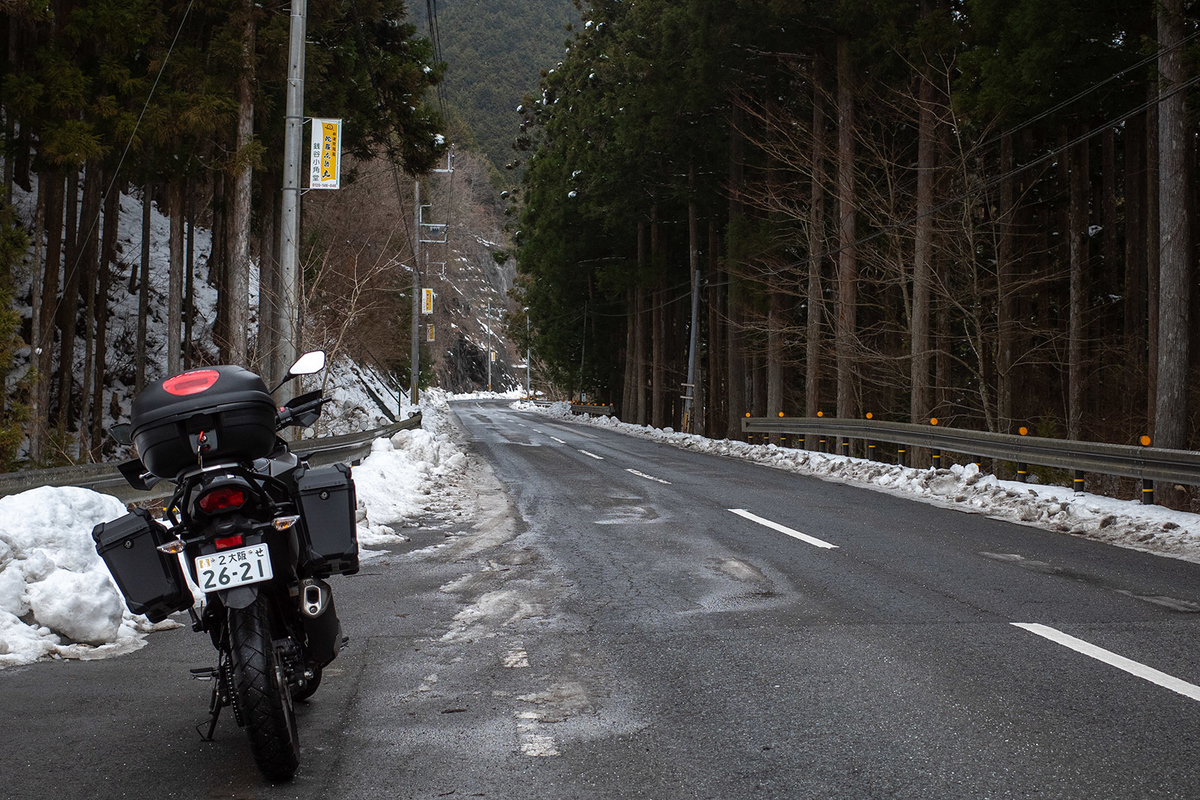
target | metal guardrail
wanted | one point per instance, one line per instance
(580, 408)
(105, 477)
(1147, 463)
(592, 409)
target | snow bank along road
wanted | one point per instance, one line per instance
(612, 617)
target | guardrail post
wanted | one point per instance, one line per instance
(821, 445)
(1078, 481)
(936, 455)
(1022, 471)
(845, 447)
(900, 455)
(1147, 492)
(870, 450)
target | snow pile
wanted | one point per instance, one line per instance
(57, 599)
(56, 596)
(1125, 523)
(395, 482)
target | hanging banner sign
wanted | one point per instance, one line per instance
(325, 171)
(427, 301)
(429, 333)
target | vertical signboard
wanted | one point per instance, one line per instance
(325, 169)
(427, 301)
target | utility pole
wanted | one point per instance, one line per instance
(414, 395)
(527, 391)
(287, 309)
(489, 347)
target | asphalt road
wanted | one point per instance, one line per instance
(610, 617)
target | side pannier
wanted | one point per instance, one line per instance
(151, 581)
(328, 507)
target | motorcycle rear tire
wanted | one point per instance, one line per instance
(261, 691)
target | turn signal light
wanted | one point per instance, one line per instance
(222, 499)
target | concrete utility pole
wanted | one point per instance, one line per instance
(414, 394)
(489, 348)
(287, 310)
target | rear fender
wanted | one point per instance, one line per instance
(240, 596)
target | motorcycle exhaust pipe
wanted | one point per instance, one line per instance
(314, 597)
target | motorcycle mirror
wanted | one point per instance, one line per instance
(122, 433)
(308, 363)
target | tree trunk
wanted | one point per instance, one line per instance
(175, 278)
(1175, 248)
(1007, 291)
(68, 310)
(268, 276)
(189, 275)
(717, 406)
(49, 303)
(1152, 259)
(735, 384)
(144, 287)
(239, 265)
(922, 251)
(217, 265)
(38, 408)
(1077, 230)
(1135, 242)
(108, 255)
(847, 319)
(89, 252)
(816, 253)
(640, 332)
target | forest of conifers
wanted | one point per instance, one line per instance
(180, 102)
(976, 210)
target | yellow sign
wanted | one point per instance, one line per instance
(429, 332)
(325, 165)
(427, 301)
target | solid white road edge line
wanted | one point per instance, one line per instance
(647, 477)
(593, 455)
(804, 537)
(560, 441)
(1135, 668)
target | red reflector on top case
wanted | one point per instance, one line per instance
(192, 382)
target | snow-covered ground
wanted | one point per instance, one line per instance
(58, 601)
(1124, 523)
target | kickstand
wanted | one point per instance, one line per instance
(214, 711)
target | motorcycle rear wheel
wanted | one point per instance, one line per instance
(261, 691)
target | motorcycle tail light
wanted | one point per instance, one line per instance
(228, 542)
(223, 499)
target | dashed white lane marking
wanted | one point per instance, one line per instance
(647, 477)
(775, 526)
(516, 658)
(560, 441)
(593, 455)
(534, 743)
(1135, 668)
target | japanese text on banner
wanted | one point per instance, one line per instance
(325, 171)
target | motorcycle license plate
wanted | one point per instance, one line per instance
(231, 568)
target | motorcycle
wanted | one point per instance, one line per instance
(258, 530)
